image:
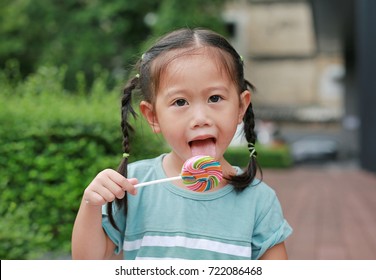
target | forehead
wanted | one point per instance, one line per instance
(219, 57)
(216, 54)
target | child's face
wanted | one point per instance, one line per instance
(197, 106)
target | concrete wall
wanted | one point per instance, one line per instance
(277, 41)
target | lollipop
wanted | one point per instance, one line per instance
(199, 174)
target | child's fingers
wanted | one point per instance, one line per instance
(133, 190)
(113, 188)
(126, 184)
(93, 198)
(109, 184)
(133, 181)
(99, 194)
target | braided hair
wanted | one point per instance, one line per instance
(146, 82)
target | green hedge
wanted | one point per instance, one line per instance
(52, 144)
(274, 156)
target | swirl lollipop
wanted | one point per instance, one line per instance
(199, 174)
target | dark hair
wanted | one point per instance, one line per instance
(149, 69)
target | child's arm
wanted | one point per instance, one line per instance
(89, 240)
(277, 252)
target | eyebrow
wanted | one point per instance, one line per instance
(172, 92)
(221, 88)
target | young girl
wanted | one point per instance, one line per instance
(194, 93)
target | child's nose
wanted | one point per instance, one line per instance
(200, 117)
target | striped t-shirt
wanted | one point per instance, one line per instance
(168, 222)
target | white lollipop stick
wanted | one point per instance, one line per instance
(157, 181)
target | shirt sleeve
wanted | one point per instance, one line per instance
(117, 236)
(271, 228)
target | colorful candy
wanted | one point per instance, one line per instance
(201, 173)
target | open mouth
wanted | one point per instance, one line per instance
(205, 147)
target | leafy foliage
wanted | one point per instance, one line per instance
(52, 146)
(174, 14)
(85, 34)
(277, 156)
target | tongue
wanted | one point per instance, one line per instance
(203, 147)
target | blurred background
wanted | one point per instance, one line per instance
(62, 68)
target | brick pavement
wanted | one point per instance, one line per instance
(332, 211)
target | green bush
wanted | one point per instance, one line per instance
(52, 145)
(237, 156)
(274, 156)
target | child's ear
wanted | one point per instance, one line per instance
(147, 111)
(245, 100)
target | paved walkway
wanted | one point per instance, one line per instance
(332, 211)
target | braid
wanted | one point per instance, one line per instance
(240, 182)
(126, 127)
(126, 108)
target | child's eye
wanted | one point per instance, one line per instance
(215, 98)
(180, 102)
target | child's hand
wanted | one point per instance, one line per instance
(107, 186)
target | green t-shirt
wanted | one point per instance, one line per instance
(167, 222)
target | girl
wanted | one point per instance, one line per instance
(194, 93)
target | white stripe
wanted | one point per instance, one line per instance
(186, 242)
(132, 245)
